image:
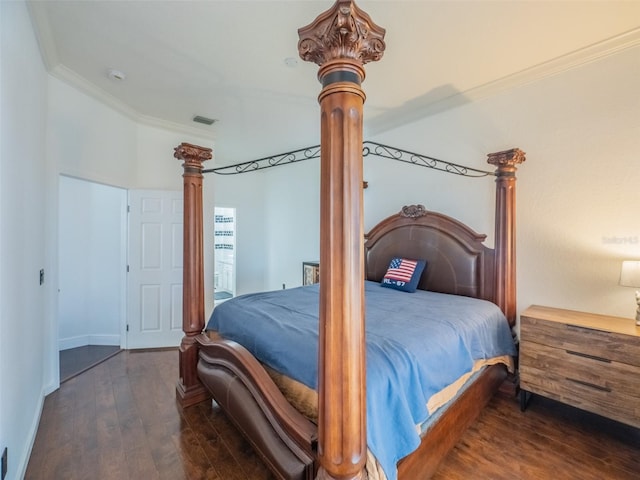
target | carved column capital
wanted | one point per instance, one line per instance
(344, 32)
(192, 155)
(507, 159)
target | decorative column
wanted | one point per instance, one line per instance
(505, 241)
(341, 41)
(189, 390)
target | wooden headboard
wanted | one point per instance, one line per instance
(457, 260)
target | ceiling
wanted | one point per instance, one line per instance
(230, 60)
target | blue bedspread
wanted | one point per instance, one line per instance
(417, 344)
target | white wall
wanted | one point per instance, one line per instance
(245, 193)
(577, 190)
(23, 211)
(292, 216)
(88, 140)
(577, 195)
(155, 167)
(49, 128)
(92, 259)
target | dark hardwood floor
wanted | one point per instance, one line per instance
(120, 420)
(74, 361)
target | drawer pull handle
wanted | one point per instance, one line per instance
(586, 355)
(581, 328)
(591, 385)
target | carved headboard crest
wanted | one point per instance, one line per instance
(413, 211)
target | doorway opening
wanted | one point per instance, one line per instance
(224, 284)
(92, 277)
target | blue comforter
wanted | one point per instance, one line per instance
(417, 344)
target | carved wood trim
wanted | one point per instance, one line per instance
(342, 32)
(189, 389)
(341, 41)
(227, 369)
(413, 211)
(505, 225)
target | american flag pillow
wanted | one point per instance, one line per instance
(403, 274)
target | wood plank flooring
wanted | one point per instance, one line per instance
(120, 420)
(74, 361)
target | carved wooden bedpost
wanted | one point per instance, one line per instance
(189, 389)
(505, 241)
(341, 41)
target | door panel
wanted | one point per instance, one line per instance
(155, 269)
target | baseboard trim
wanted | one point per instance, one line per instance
(84, 340)
(23, 462)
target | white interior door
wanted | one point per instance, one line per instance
(154, 315)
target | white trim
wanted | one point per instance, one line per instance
(124, 278)
(83, 340)
(70, 77)
(412, 111)
(560, 64)
(80, 83)
(43, 34)
(557, 65)
(51, 60)
(23, 462)
(104, 340)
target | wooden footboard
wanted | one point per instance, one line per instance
(284, 438)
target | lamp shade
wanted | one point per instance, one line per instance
(630, 273)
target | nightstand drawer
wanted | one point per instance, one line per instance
(612, 404)
(576, 338)
(539, 361)
(587, 360)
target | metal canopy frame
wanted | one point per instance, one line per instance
(368, 148)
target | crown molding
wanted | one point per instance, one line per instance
(563, 63)
(389, 119)
(50, 58)
(43, 33)
(82, 84)
(175, 127)
(70, 77)
(413, 111)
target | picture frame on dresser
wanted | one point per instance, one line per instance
(310, 273)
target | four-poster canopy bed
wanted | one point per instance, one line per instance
(334, 445)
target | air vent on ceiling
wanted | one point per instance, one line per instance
(203, 120)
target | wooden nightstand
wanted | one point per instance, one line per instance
(582, 359)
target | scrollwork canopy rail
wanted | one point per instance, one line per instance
(368, 148)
